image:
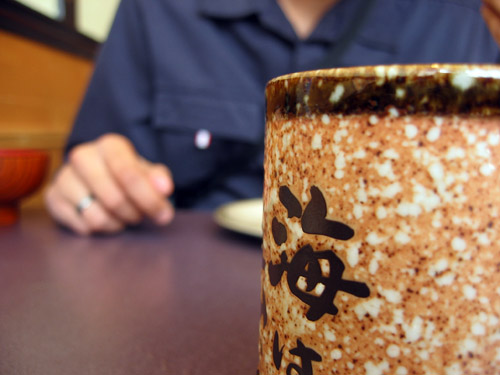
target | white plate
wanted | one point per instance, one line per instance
(241, 216)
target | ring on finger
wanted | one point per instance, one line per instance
(85, 203)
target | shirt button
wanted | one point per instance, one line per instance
(202, 139)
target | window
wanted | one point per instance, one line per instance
(50, 8)
(54, 22)
(92, 18)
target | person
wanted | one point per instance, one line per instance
(491, 14)
(177, 94)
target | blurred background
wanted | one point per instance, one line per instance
(47, 50)
(91, 17)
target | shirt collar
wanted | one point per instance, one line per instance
(270, 15)
(230, 8)
(336, 21)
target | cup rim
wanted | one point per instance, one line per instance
(22, 152)
(439, 89)
(397, 70)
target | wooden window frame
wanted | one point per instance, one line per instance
(22, 20)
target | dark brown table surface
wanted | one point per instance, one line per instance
(177, 300)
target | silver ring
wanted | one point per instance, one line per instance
(85, 203)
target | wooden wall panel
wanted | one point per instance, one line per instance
(40, 92)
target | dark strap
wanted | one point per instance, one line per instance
(334, 55)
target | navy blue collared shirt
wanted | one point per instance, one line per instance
(185, 79)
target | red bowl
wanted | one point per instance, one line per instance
(22, 172)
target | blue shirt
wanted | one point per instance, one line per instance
(185, 79)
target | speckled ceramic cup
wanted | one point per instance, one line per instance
(381, 231)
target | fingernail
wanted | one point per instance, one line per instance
(164, 217)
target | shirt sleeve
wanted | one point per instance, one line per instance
(119, 96)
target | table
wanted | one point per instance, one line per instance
(180, 300)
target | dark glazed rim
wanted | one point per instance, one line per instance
(437, 89)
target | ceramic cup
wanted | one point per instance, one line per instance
(381, 247)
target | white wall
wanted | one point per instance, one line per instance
(93, 17)
(49, 8)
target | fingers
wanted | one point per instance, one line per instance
(131, 174)
(64, 212)
(91, 169)
(160, 177)
(63, 196)
(126, 188)
(491, 14)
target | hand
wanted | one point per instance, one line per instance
(126, 188)
(491, 14)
